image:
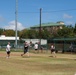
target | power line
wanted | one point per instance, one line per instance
(28, 12)
(51, 11)
(59, 10)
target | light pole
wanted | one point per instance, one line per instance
(16, 15)
(40, 27)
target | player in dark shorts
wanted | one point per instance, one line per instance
(53, 50)
(25, 49)
(36, 47)
(8, 49)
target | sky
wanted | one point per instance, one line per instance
(29, 12)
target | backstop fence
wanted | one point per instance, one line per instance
(64, 44)
(61, 44)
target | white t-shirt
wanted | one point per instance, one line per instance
(36, 46)
(8, 47)
(52, 47)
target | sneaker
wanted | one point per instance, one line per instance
(7, 57)
(21, 54)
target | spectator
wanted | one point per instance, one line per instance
(71, 47)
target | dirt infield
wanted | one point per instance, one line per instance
(14, 54)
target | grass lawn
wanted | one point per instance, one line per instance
(37, 64)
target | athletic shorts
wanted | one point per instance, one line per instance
(52, 50)
(25, 51)
(36, 49)
(8, 52)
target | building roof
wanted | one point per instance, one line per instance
(64, 39)
(48, 24)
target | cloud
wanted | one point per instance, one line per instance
(11, 25)
(67, 16)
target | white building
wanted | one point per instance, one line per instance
(3, 37)
(43, 41)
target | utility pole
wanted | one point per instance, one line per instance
(40, 26)
(16, 15)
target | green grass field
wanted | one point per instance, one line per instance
(37, 64)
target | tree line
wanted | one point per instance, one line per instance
(66, 31)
